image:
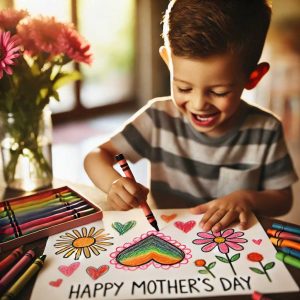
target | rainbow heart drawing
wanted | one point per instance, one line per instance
(152, 248)
(123, 228)
(69, 270)
(95, 273)
(185, 227)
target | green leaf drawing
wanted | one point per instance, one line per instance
(222, 259)
(269, 265)
(202, 272)
(235, 257)
(123, 228)
(258, 271)
(211, 265)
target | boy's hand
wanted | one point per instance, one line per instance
(220, 213)
(125, 194)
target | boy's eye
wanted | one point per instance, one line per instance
(220, 94)
(184, 90)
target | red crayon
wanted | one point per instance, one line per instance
(283, 235)
(10, 259)
(6, 280)
(10, 230)
(258, 296)
(144, 205)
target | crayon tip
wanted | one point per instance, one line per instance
(43, 257)
(154, 224)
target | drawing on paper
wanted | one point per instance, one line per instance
(168, 218)
(224, 241)
(123, 228)
(207, 268)
(152, 248)
(83, 242)
(257, 257)
(185, 226)
(95, 273)
(69, 270)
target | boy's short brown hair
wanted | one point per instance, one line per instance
(201, 28)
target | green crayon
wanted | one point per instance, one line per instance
(288, 259)
(24, 278)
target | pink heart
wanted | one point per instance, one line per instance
(56, 283)
(96, 273)
(68, 270)
(185, 227)
(257, 242)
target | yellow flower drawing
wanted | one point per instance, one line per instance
(84, 242)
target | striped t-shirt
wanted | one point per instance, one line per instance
(188, 167)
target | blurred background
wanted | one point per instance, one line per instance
(127, 71)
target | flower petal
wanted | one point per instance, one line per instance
(237, 240)
(234, 246)
(223, 248)
(209, 247)
(206, 235)
(227, 232)
(202, 241)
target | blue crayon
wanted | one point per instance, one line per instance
(287, 228)
(290, 251)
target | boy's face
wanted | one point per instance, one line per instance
(207, 91)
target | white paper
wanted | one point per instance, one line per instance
(171, 263)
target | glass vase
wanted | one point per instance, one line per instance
(26, 149)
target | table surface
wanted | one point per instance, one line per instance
(95, 195)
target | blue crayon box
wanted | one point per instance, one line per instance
(39, 215)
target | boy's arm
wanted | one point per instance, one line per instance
(122, 193)
(236, 206)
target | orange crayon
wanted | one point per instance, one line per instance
(285, 243)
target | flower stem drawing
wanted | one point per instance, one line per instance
(202, 263)
(226, 240)
(257, 257)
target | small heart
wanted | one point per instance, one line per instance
(95, 273)
(68, 270)
(56, 283)
(185, 227)
(257, 242)
(168, 218)
(123, 228)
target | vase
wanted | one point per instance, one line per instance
(26, 149)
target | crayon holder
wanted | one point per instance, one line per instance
(29, 218)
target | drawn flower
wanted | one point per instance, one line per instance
(257, 257)
(202, 263)
(9, 50)
(226, 240)
(86, 242)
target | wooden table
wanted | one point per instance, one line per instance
(95, 195)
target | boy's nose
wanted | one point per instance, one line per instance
(199, 102)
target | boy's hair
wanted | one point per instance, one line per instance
(201, 28)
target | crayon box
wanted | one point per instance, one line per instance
(15, 212)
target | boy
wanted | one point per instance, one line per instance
(207, 148)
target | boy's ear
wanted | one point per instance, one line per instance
(164, 54)
(256, 75)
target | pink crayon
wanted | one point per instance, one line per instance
(8, 230)
(284, 235)
(6, 263)
(144, 205)
(16, 270)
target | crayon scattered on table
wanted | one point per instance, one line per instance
(288, 228)
(290, 251)
(8, 261)
(16, 288)
(288, 259)
(285, 243)
(283, 235)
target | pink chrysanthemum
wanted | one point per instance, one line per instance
(224, 241)
(9, 49)
(41, 34)
(9, 18)
(75, 46)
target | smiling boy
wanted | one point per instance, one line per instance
(208, 149)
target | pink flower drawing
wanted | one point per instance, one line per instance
(226, 240)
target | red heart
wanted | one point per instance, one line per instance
(257, 242)
(185, 227)
(168, 218)
(56, 283)
(95, 273)
(68, 270)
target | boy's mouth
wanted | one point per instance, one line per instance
(205, 120)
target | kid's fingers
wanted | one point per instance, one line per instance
(199, 209)
(244, 219)
(211, 217)
(117, 202)
(228, 219)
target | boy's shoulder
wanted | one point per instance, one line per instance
(163, 104)
(258, 116)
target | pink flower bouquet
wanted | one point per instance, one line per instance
(33, 53)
